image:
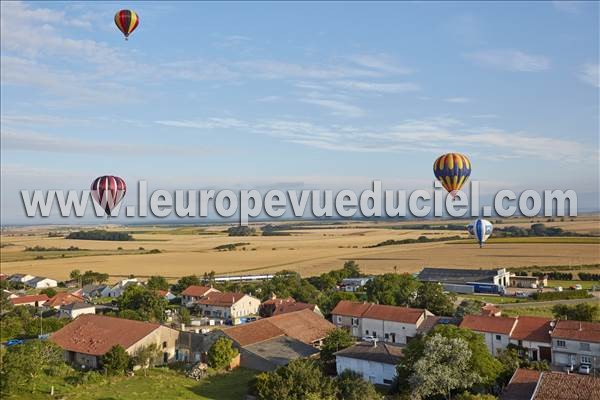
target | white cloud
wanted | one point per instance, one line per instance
(377, 87)
(337, 107)
(571, 6)
(430, 135)
(379, 62)
(511, 60)
(457, 100)
(590, 73)
(33, 141)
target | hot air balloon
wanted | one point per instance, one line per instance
(126, 21)
(452, 170)
(481, 229)
(108, 191)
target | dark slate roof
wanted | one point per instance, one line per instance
(281, 350)
(457, 276)
(381, 352)
(76, 306)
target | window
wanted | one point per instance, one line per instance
(367, 332)
(561, 343)
(354, 321)
(584, 346)
(498, 337)
(374, 334)
(387, 381)
(164, 345)
(586, 359)
(387, 336)
(339, 319)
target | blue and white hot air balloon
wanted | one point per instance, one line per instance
(481, 229)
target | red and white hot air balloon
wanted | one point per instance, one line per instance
(108, 191)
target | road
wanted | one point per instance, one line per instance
(528, 304)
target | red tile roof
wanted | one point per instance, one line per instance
(40, 298)
(62, 299)
(561, 386)
(481, 323)
(491, 310)
(577, 330)
(96, 334)
(225, 299)
(378, 311)
(197, 291)
(304, 325)
(521, 385)
(533, 329)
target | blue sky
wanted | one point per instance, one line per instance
(300, 94)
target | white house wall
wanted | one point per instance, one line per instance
(372, 371)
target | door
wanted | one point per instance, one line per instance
(165, 357)
(546, 354)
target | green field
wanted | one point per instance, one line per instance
(493, 299)
(158, 385)
(568, 284)
(545, 311)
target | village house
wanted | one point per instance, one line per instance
(353, 284)
(532, 336)
(275, 306)
(62, 299)
(90, 291)
(40, 282)
(387, 323)
(375, 362)
(20, 278)
(227, 305)
(527, 384)
(194, 293)
(272, 342)
(495, 330)
(166, 294)
(73, 310)
(90, 336)
(531, 282)
(35, 300)
(575, 343)
(118, 289)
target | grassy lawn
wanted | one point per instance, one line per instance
(545, 311)
(49, 255)
(159, 384)
(568, 284)
(536, 240)
(492, 299)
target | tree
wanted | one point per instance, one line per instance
(184, 315)
(75, 274)
(335, 340)
(184, 282)
(145, 356)
(300, 379)
(157, 283)
(352, 386)
(221, 353)
(48, 292)
(23, 364)
(330, 299)
(431, 296)
(510, 360)
(469, 307)
(471, 396)
(392, 289)
(444, 367)
(579, 312)
(116, 360)
(146, 303)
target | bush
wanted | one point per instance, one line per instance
(98, 234)
(116, 360)
(586, 276)
(566, 295)
(221, 353)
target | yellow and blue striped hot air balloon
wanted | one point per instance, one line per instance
(452, 170)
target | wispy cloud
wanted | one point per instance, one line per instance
(336, 107)
(379, 62)
(590, 74)
(511, 60)
(376, 86)
(433, 135)
(457, 100)
(571, 6)
(33, 141)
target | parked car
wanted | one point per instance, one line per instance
(522, 294)
(369, 338)
(558, 289)
(577, 287)
(13, 342)
(585, 369)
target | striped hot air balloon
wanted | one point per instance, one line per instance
(108, 191)
(481, 229)
(452, 170)
(126, 21)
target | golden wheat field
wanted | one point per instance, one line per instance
(310, 249)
